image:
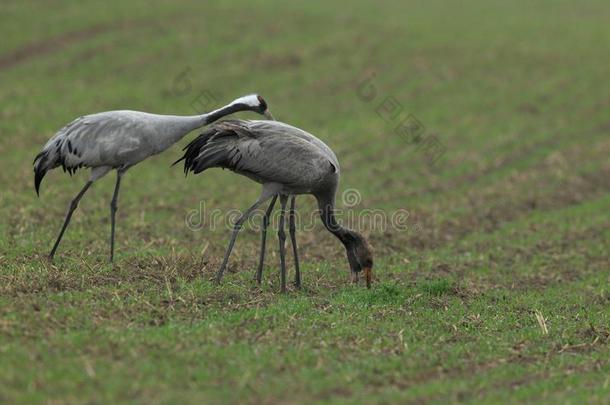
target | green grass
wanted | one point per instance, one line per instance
(496, 292)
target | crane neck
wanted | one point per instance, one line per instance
(198, 121)
(222, 112)
(326, 204)
(182, 125)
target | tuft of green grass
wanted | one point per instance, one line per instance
(437, 287)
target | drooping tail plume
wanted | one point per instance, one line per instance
(194, 148)
(40, 169)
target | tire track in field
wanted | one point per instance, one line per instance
(490, 213)
(46, 46)
(492, 206)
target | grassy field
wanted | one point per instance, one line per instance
(494, 289)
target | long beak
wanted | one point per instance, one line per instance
(368, 275)
(268, 115)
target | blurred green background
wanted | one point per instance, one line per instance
(496, 291)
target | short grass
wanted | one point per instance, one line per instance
(495, 289)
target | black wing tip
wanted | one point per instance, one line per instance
(191, 151)
(38, 176)
(41, 154)
(178, 161)
(186, 171)
(39, 170)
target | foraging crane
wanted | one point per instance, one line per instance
(287, 161)
(119, 140)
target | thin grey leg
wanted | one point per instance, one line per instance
(293, 240)
(71, 208)
(259, 271)
(281, 235)
(236, 229)
(113, 210)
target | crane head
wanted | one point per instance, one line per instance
(360, 257)
(256, 103)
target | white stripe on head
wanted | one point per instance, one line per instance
(251, 100)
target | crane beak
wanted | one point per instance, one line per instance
(368, 276)
(268, 115)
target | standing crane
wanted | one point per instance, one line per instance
(287, 161)
(119, 140)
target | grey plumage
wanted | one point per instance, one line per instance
(287, 161)
(265, 151)
(113, 139)
(119, 140)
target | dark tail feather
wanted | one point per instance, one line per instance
(192, 150)
(40, 155)
(39, 170)
(39, 174)
(178, 161)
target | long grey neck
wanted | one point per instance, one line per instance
(198, 121)
(326, 204)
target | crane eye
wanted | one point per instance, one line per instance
(262, 101)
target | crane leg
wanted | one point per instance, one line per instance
(259, 271)
(237, 227)
(71, 208)
(293, 241)
(113, 210)
(281, 235)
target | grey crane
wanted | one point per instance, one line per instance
(287, 161)
(119, 140)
